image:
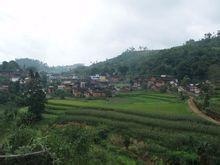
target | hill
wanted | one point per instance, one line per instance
(10, 66)
(40, 66)
(194, 59)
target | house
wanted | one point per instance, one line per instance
(77, 92)
(115, 79)
(4, 88)
(174, 83)
(194, 88)
(180, 89)
(156, 82)
(103, 79)
(95, 92)
(75, 77)
(82, 84)
(15, 79)
(66, 85)
(95, 77)
(51, 89)
(136, 85)
(126, 88)
(61, 87)
(27, 80)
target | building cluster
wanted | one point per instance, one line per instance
(92, 86)
(157, 82)
(100, 85)
(165, 82)
(9, 76)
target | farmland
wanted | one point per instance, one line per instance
(215, 102)
(130, 128)
(160, 121)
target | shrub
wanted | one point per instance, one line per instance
(61, 94)
(26, 118)
(10, 112)
(20, 137)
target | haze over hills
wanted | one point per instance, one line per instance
(40, 66)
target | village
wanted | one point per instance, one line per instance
(98, 86)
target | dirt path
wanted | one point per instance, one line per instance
(194, 109)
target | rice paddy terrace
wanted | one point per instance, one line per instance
(215, 101)
(160, 121)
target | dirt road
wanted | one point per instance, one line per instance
(195, 109)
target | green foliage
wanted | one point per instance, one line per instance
(4, 80)
(20, 137)
(61, 94)
(10, 112)
(37, 97)
(115, 132)
(182, 95)
(185, 81)
(9, 66)
(26, 118)
(181, 157)
(197, 60)
(71, 144)
(4, 97)
(126, 141)
(214, 73)
(163, 89)
(168, 135)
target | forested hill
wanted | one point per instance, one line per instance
(10, 66)
(196, 59)
(25, 63)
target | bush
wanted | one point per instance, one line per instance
(61, 94)
(4, 97)
(71, 144)
(10, 112)
(26, 118)
(20, 137)
(181, 157)
(163, 89)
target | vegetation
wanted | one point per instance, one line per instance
(9, 66)
(141, 127)
(196, 59)
(138, 127)
(36, 96)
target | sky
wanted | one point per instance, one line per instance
(64, 32)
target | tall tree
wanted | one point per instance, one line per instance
(36, 95)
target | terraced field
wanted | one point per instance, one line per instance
(215, 102)
(161, 121)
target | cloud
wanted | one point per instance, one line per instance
(79, 31)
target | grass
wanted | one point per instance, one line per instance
(140, 102)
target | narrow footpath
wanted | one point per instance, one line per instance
(195, 109)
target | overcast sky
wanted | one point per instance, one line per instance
(62, 32)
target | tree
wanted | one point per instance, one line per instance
(36, 95)
(214, 73)
(61, 93)
(126, 141)
(10, 112)
(208, 91)
(185, 81)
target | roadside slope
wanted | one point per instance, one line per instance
(194, 109)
